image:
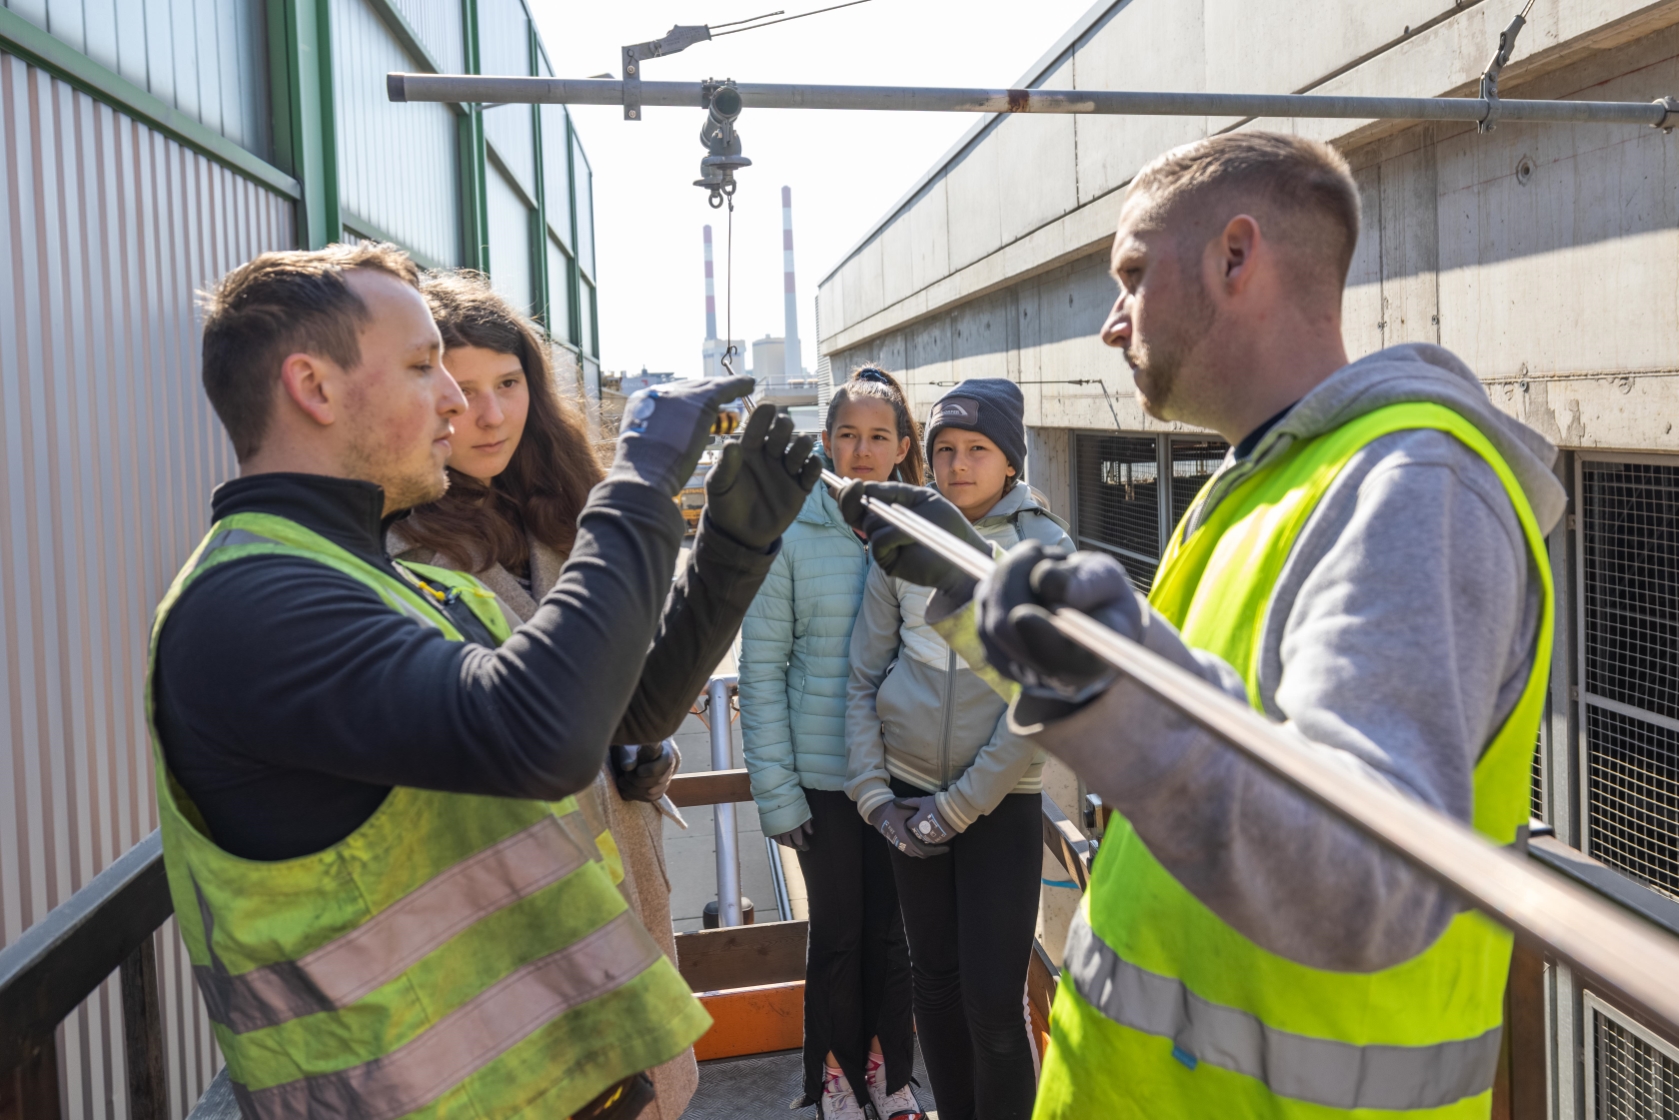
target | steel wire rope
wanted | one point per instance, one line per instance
(1625, 957)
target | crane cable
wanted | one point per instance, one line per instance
(1623, 957)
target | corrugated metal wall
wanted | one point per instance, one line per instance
(398, 165)
(439, 27)
(110, 451)
(504, 47)
(206, 58)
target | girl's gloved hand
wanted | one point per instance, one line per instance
(797, 838)
(926, 825)
(644, 773)
(892, 819)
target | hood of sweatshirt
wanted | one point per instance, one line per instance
(1409, 373)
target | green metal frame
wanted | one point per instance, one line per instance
(21, 38)
(475, 212)
(405, 34)
(301, 85)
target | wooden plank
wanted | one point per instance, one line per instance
(142, 1029)
(1525, 1073)
(1066, 843)
(1041, 983)
(758, 1020)
(710, 787)
(742, 956)
(30, 1090)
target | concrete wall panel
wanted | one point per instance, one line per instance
(1143, 45)
(975, 204)
(1037, 174)
(929, 230)
(897, 242)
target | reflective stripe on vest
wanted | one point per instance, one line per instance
(1171, 1011)
(1319, 1070)
(386, 945)
(469, 1037)
(455, 954)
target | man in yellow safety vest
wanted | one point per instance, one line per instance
(1367, 567)
(391, 903)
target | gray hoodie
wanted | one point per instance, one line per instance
(915, 710)
(1399, 638)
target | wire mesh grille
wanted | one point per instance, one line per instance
(1632, 794)
(1630, 543)
(1632, 1079)
(1629, 532)
(1536, 805)
(1118, 496)
(1194, 461)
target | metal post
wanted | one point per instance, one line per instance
(591, 91)
(723, 816)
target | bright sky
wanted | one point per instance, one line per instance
(846, 168)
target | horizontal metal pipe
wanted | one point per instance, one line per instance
(1622, 956)
(592, 91)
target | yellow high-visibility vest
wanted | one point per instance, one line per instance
(1164, 1010)
(455, 955)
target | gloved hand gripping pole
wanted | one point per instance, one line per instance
(1625, 957)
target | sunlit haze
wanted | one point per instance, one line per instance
(846, 168)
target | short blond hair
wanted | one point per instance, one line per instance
(279, 304)
(1302, 185)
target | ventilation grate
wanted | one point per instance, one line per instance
(1118, 497)
(1629, 528)
(1632, 1074)
(1632, 786)
(1194, 461)
(1536, 805)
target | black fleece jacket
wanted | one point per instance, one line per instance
(290, 698)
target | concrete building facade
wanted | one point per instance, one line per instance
(1547, 257)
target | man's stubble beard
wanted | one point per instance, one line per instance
(405, 487)
(1172, 345)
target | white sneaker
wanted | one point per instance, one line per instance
(838, 1101)
(901, 1105)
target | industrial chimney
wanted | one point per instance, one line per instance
(710, 292)
(792, 365)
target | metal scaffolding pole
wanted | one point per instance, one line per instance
(1626, 958)
(460, 88)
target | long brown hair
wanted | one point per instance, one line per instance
(876, 383)
(541, 493)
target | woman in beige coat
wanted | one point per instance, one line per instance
(520, 471)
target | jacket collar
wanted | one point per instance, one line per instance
(346, 511)
(1411, 372)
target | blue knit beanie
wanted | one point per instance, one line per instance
(991, 406)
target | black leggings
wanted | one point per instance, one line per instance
(970, 916)
(857, 977)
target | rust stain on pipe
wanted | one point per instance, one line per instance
(1020, 100)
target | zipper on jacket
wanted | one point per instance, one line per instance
(944, 720)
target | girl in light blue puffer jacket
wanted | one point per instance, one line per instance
(794, 668)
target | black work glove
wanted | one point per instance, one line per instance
(1022, 643)
(643, 773)
(797, 838)
(761, 480)
(896, 551)
(665, 430)
(892, 819)
(925, 824)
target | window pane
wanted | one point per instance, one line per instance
(559, 293)
(510, 242)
